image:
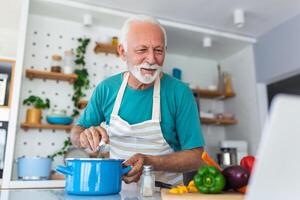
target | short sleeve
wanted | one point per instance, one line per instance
(188, 125)
(93, 113)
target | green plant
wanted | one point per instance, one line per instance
(37, 102)
(82, 82)
(63, 150)
(80, 51)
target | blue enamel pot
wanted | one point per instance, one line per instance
(93, 176)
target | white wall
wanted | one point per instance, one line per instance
(200, 72)
(9, 26)
(277, 52)
(245, 104)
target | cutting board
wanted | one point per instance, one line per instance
(199, 196)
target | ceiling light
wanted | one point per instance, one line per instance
(239, 18)
(206, 42)
(87, 20)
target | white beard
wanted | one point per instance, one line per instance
(147, 78)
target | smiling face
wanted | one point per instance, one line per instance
(145, 51)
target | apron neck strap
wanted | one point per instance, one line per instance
(120, 94)
(156, 100)
(156, 97)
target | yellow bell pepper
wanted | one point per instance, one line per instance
(191, 183)
(180, 189)
(193, 189)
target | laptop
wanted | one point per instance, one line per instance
(276, 174)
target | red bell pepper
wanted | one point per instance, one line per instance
(247, 162)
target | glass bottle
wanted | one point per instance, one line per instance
(147, 181)
(56, 63)
(228, 84)
(68, 62)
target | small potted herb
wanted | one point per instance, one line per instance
(34, 114)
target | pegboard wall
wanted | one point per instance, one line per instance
(45, 37)
(48, 36)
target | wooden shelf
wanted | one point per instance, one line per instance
(218, 121)
(31, 74)
(105, 48)
(204, 93)
(57, 176)
(27, 126)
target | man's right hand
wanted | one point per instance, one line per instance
(91, 137)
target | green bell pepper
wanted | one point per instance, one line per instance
(209, 180)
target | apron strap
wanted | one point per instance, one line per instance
(120, 94)
(156, 98)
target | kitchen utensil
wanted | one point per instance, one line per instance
(93, 176)
(59, 120)
(35, 168)
(227, 157)
(103, 147)
(163, 185)
(240, 146)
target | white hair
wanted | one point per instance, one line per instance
(139, 18)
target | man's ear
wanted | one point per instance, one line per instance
(122, 52)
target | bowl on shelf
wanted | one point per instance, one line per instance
(62, 120)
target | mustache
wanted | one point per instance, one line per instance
(148, 66)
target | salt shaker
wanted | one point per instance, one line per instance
(147, 181)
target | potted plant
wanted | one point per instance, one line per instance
(33, 114)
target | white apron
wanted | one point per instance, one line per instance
(145, 137)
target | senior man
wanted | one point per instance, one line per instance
(152, 118)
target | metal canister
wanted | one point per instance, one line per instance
(227, 157)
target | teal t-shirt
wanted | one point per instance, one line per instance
(180, 122)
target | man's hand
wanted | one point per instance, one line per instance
(91, 137)
(137, 162)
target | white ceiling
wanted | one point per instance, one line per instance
(261, 15)
(211, 15)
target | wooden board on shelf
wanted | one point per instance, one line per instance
(27, 126)
(57, 176)
(105, 48)
(204, 93)
(31, 74)
(215, 121)
(165, 195)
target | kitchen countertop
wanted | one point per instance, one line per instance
(59, 194)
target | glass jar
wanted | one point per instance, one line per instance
(115, 41)
(56, 63)
(69, 62)
(147, 181)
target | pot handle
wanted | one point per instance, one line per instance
(64, 170)
(125, 169)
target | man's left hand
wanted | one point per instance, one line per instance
(137, 162)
